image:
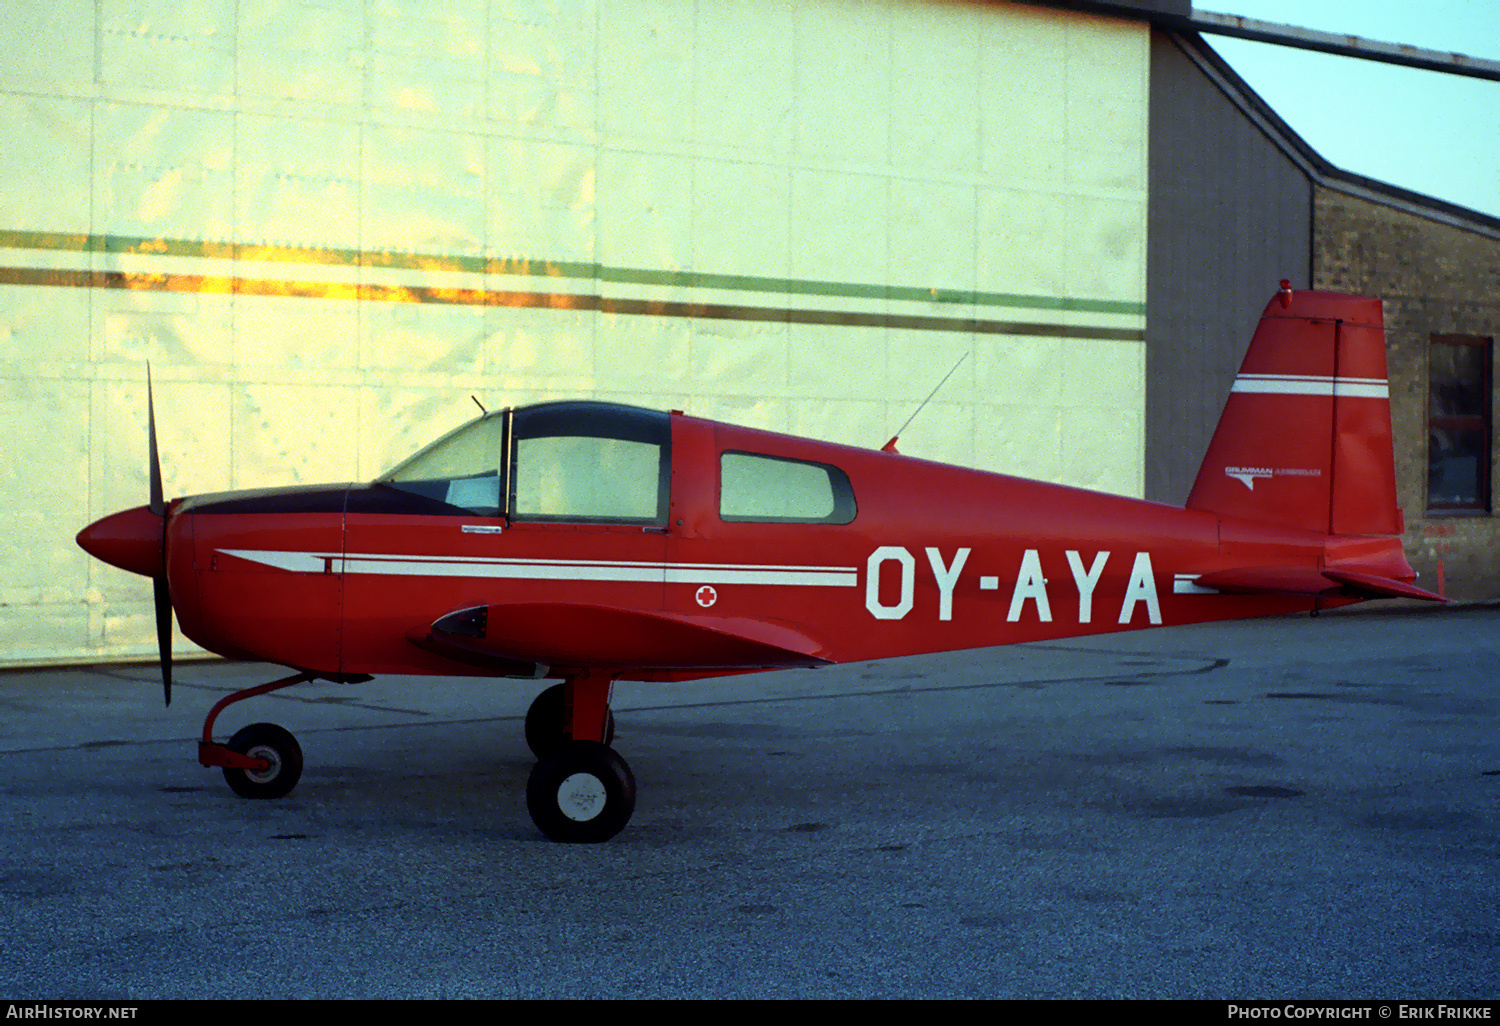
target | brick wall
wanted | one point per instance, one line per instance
(1435, 279)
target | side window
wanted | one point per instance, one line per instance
(583, 478)
(771, 489)
(595, 462)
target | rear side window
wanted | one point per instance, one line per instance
(774, 490)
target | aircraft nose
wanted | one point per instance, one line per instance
(130, 540)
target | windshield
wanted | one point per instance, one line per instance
(462, 468)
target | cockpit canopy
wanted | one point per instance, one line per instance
(578, 460)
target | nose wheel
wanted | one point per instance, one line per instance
(276, 750)
(261, 760)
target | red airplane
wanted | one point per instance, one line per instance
(591, 542)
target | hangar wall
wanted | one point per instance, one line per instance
(1230, 217)
(326, 225)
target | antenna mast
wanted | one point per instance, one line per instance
(891, 445)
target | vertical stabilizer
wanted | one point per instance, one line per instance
(1305, 438)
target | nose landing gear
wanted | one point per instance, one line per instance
(261, 760)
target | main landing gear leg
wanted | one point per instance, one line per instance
(260, 761)
(549, 722)
(580, 790)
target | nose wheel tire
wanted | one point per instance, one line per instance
(282, 754)
(544, 722)
(581, 793)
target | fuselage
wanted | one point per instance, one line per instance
(904, 556)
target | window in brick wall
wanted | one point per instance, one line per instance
(1458, 424)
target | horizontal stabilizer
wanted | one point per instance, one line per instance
(1307, 580)
(1381, 587)
(567, 634)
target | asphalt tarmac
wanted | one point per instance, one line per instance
(1283, 809)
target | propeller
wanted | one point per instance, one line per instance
(158, 507)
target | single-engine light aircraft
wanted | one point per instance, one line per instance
(588, 542)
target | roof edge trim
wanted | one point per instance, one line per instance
(1314, 165)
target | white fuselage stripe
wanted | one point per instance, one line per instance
(1306, 384)
(1187, 584)
(550, 569)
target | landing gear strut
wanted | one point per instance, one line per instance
(580, 790)
(546, 729)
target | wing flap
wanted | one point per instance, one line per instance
(516, 636)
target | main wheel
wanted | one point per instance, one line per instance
(544, 722)
(582, 793)
(273, 744)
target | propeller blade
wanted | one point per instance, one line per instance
(158, 506)
(164, 634)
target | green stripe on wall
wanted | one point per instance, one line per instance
(197, 283)
(14, 239)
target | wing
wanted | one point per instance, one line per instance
(516, 637)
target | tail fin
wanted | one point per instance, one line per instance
(1305, 438)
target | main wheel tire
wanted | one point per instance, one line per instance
(544, 722)
(279, 748)
(581, 794)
